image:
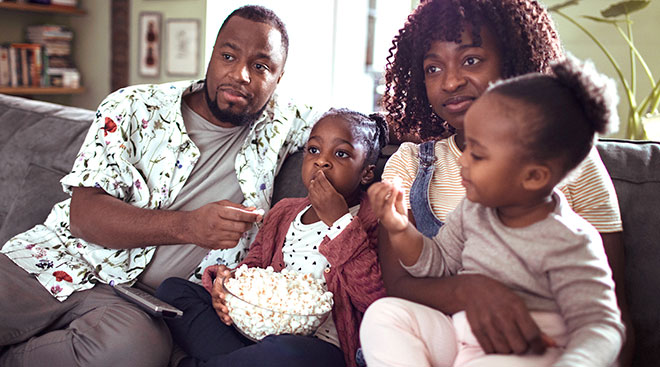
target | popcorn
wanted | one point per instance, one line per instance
(262, 302)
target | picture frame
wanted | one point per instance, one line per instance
(149, 44)
(183, 45)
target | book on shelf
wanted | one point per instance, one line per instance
(58, 67)
(5, 79)
(25, 62)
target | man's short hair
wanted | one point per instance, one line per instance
(257, 13)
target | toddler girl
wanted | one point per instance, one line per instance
(331, 234)
(523, 137)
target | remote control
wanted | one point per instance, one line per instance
(148, 302)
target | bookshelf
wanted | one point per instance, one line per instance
(41, 8)
(6, 8)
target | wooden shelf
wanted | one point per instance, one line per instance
(42, 8)
(25, 91)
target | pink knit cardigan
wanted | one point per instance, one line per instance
(354, 275)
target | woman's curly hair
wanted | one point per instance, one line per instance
(528, 42)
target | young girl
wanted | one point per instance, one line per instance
(444, 57)
(331, 234)
(523, 136)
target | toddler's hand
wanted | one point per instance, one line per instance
(217, 293)
(387, 203)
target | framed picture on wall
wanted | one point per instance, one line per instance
(149, 42)
(182, 44)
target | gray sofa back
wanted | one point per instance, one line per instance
(635, 171)
(39, 142)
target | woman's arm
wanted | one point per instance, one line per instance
(498, 318)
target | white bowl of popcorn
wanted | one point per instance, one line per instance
(263, 302)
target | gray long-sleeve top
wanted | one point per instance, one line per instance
(557, 265)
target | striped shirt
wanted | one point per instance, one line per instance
(589, 192)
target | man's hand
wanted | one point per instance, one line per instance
(327, 202)
(499, 319)
(221, 224)
(212, 280)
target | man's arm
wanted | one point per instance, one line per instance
(105, 220)
(499, 319)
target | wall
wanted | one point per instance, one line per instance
(195, 9)
(646, 31)
(92, 53)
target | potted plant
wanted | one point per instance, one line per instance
(642, 111)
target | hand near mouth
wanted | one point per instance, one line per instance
(326, 201)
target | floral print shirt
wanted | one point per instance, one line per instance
(138, 151)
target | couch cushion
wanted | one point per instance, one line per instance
(45, 134)
(34, 201)
(635, 171)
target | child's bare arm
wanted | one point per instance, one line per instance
(387, 203)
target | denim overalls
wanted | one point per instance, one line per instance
(426, 222)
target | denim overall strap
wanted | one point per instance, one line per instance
(426, 221)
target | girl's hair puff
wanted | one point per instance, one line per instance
(371, 130)
(563, 111)
(528, 42)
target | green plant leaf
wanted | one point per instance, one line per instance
(603, 20)
(624, 7)
(563, 5)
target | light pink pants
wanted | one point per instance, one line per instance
(397, 332)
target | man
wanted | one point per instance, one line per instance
(157, 183)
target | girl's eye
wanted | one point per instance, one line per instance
(471, 61)
(341, 154)
(313, 150)
(475, 157)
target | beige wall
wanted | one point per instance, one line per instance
(646, 36)
(189, 9)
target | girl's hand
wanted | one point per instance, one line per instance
(387, 203)
(217, 293)
(327, 202)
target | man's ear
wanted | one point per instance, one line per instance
(280, 77)
(536, 176)
(368, 174)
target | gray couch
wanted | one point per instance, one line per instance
(39, 142)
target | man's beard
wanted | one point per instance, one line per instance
(236, 119)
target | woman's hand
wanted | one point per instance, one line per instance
(327, 202)
(212, 281)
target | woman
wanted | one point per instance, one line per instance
(441, 61)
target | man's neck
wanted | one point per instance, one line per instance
(196, 102)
